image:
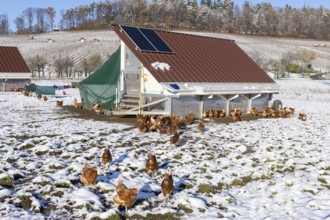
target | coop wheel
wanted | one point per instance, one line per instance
(277, 104)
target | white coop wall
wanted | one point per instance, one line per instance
(214, 103)
(186, 104)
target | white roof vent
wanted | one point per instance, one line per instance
(160, 65)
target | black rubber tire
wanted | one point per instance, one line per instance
(277, 104)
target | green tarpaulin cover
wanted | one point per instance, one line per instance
(45, 90)
(30, 88)
(100, 87)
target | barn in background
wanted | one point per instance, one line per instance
(165, 73)
(14, 72)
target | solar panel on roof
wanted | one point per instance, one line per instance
(139, 39)
(158, 43)
(147, 40)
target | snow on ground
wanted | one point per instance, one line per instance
(261, 169)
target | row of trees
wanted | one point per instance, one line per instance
(63, 66)
(32, 20)
(209, 15)
(216, 15)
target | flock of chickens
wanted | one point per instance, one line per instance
(124, 195)
(236, 113)
(59, 103)
(171, 125)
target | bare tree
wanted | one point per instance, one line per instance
(29, 15)
(68, 66)
(258, 59)
(37, 64)
(41, 24)
(306, 56)
(20, 26)
(94, 61)
(287, 60)
(85, 67)
(59, 66)
(50, 12)
(276, 67)
(4, 24)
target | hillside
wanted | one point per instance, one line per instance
(67, 44)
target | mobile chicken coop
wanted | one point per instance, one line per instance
(162, 72)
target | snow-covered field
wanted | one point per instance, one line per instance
(67, 44)
(261, 169)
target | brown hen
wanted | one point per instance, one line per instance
(59, 103)
(201, 127)
(151, 163)
(125, 196)
(106, 156)
(167, 186)
(175, 139)
(89, 175)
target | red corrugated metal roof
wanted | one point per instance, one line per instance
(199, 59)
(11, 61)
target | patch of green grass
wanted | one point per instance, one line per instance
(40, 153)
(220, 215)
(27, 146)
(289, 184)
(55, 167)
(165, 216)
(238, 157)
(220, 186)
(201, 210)
(248, 150)
(209, 177)
(205, 188)
(264, 177)
(47, 191)
(274, 193)
(26, 201)
(322, 180)
(89, 157)
(188, 186)
(279, 166)
(289, 169)
(111, 217)
(177, 156)
(309, 190)
(12, 160)
(242, 182)
(6, 181)
(185, 209)
(93, 144)
(43, 183)
(63, 184)
(230, 201)
(57, 193)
